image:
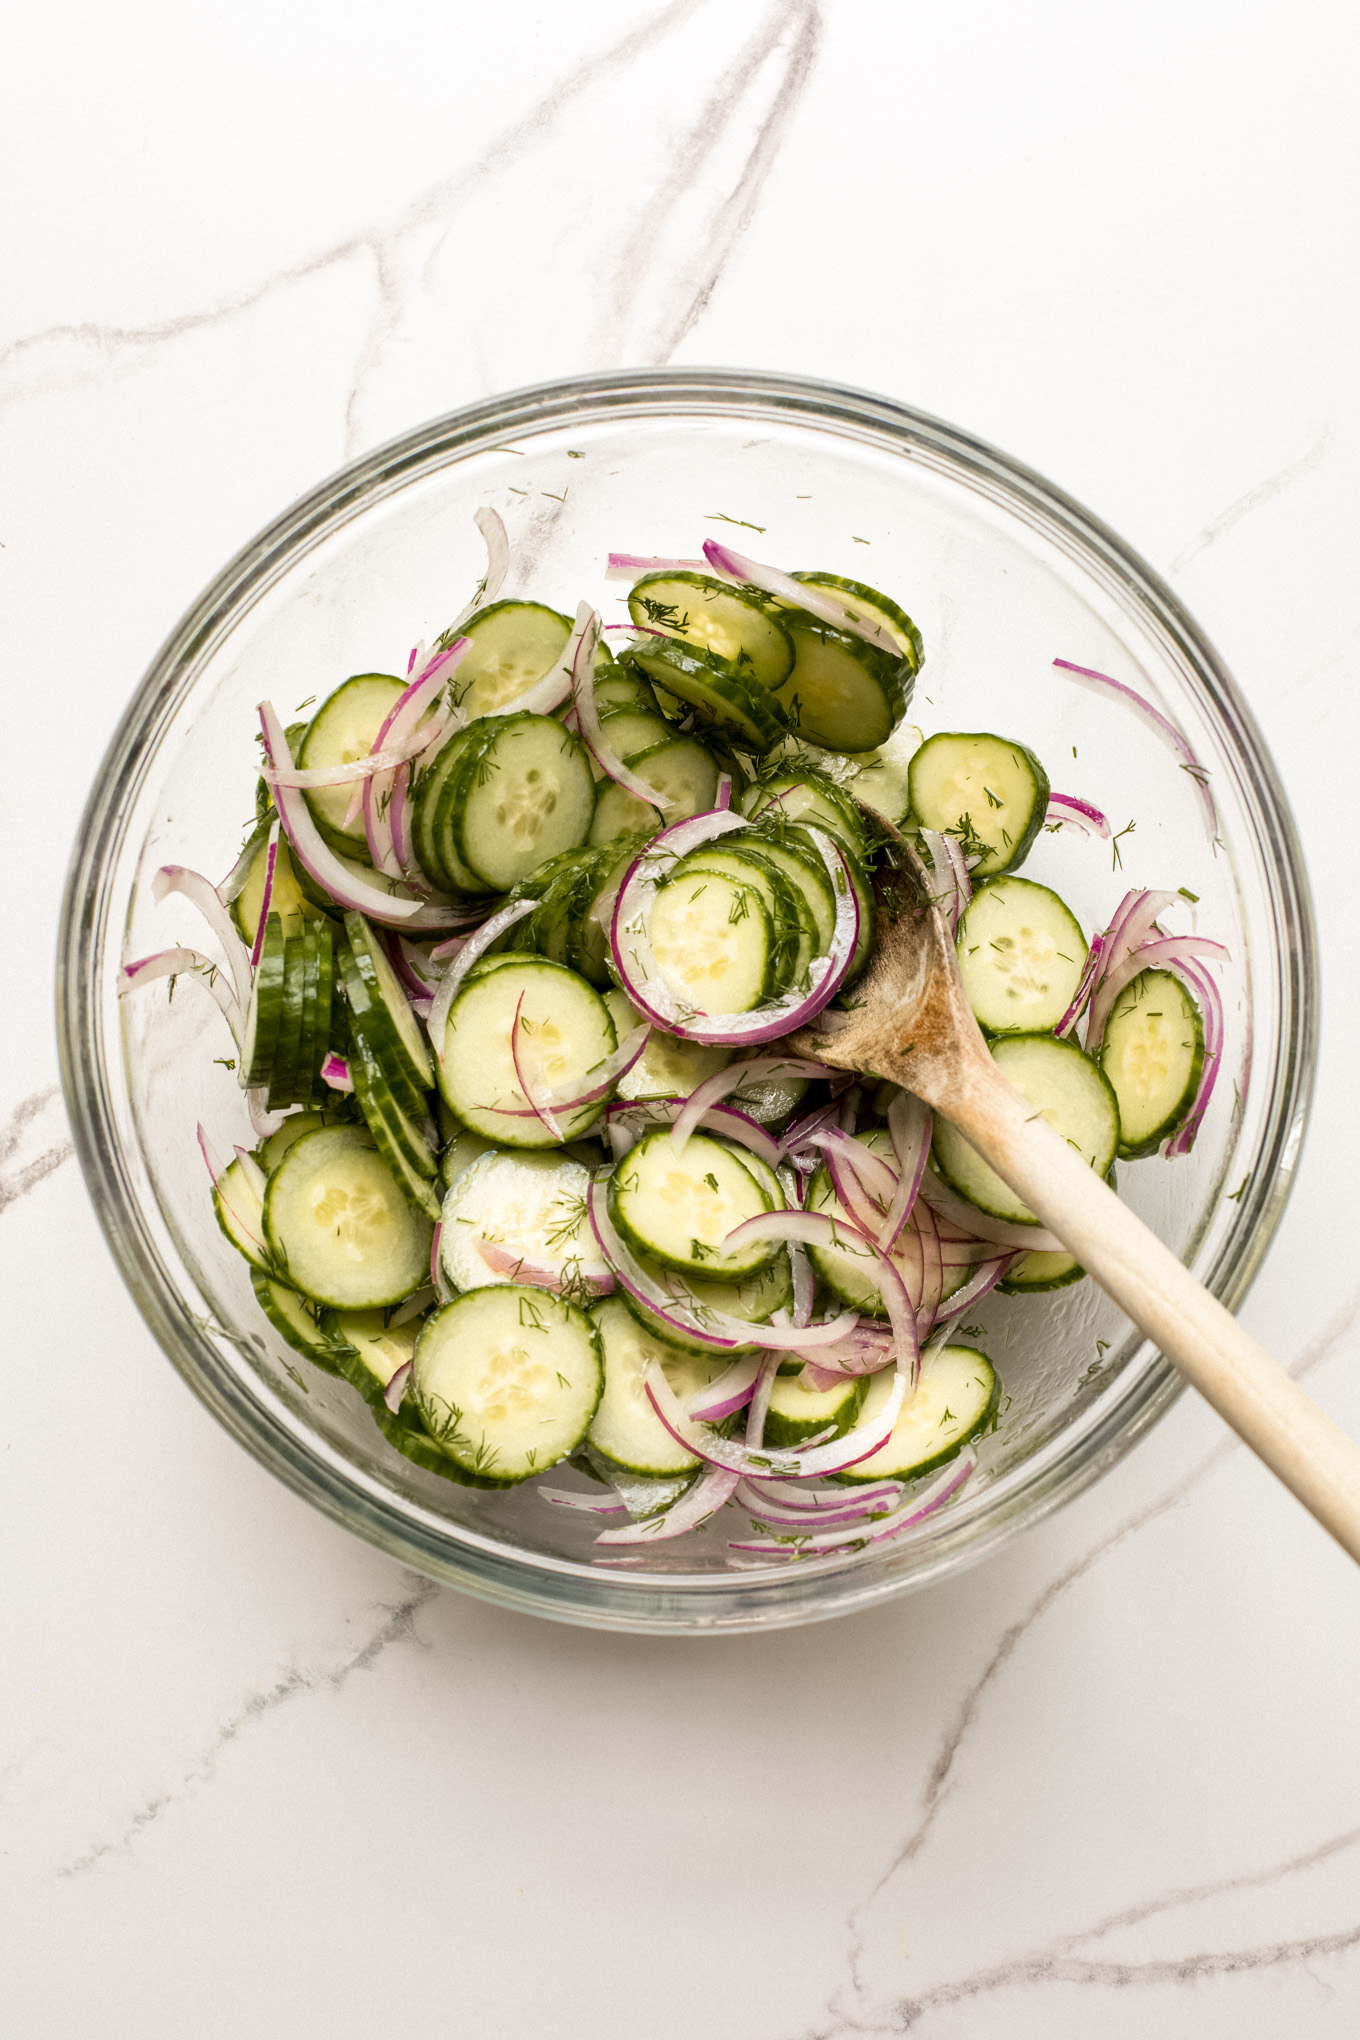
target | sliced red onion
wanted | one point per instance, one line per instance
(777, 1515)
(809, 1500)
(953, 850)
(263, 1122)
(1211, 1006)
(867, 1350)
(872, 1171)
(712, 1489)
(1090, 977)
(1134, 924)
(804, 1286)
(396, 1387)
(814, 1228)
(201, 893)
(1067, 809)
(267, 896)
(801, 1131)
(471, 948)
(724, 1082)
(927, 1230)
(1165, 729)
(921, 1505)
(588, 715)
(708, 1327)
(335, 1073)
(910, 1125)
(419, 1300)
(631, 566)
(722, 800)
(863, 1215)
(343, 884)
(187, 963)
(953, 888)
(503, 1260)
(801, 1464)
(979, 1225)
(820, 602)
(437, 1281)
(393, 752)
(982, 1282)
(402, 728)
(249, 1219)
(634, 1116)
(541, 1112)
(497, 541)
(211, 1159)
(252, 1173)
(606, 1075)
(732, 1390)
(641, 977)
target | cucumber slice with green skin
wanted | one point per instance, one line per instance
(667, 1067)
(565, 1033)
(462, 1151)
(754, 1300)
(680, 768)
(722, 692)
(272, 1151)
(866, 605)
(507, 1380)
(373, 1034)
(988, 791)
(340, 1227)
(1152, 1053)
(283, 1072)
(712, 936)
(307, 1328)
(375, 1348)
(848, 1269)
(626, 1432)
(809, 798)
(523, 795)
(1067, 1087)
(956, 1398)
(630, 730)
(881, 777)
(770, 1100)
(1035, 1273)
(794, 931)
(264, 1014)
(625, 689)
(240, 1213)
(796, 1411)
(513, 645)
(343, 730)
(433, 784)
(678, 1209)
(529, 1205)
(804, 870)
(395, 1034)
(286, 899)
(856, 876)
(738, 624)
(304, 1082)
(400, 1139)
(1021, 956)
(843, 693)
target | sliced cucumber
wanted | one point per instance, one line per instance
(339, 1226)
(1030, 1274)
(374, 1033)
(797, 1410)
(955, 1398)
(507, 1381)
(623, 688)
(1021, 956)
(795, 932)
(630, 730)
(286, 898)
(1067, 1087)
(680, 769)
(843, 692)
(847, 1268)
(273, 1150)
(343, 730)
(240, 1213)
(513, 645)
(866, 605)
(626, 1432)
(393, 1032)
(377, 1348)
(529, 1205)
(307, 1328)
(565, 1033)
(402, 1141)
(283, 1070)
(754, 1300)
(667, 1067)
(264, 1014)
(721, 692)
(678, 1209)
(803, 868)
(711, 935)
(988, 791)
(738, 624)
(881, 776)
(523, 794)
(1152, 1053)
(806, 797)
(434, 788)
(462, 1151)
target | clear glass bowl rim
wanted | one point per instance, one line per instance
(539, 1584)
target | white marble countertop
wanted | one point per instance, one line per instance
(253, 1776)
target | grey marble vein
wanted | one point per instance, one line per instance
(941, 1777)
(398, 1626)
(20, 1173)
(1263, 491)
(59, 356)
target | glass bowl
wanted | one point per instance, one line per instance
(1002, 572)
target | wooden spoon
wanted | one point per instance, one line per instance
(911, 1022)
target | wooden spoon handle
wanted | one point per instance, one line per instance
(1297, 1440)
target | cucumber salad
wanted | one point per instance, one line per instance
(509, 956)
